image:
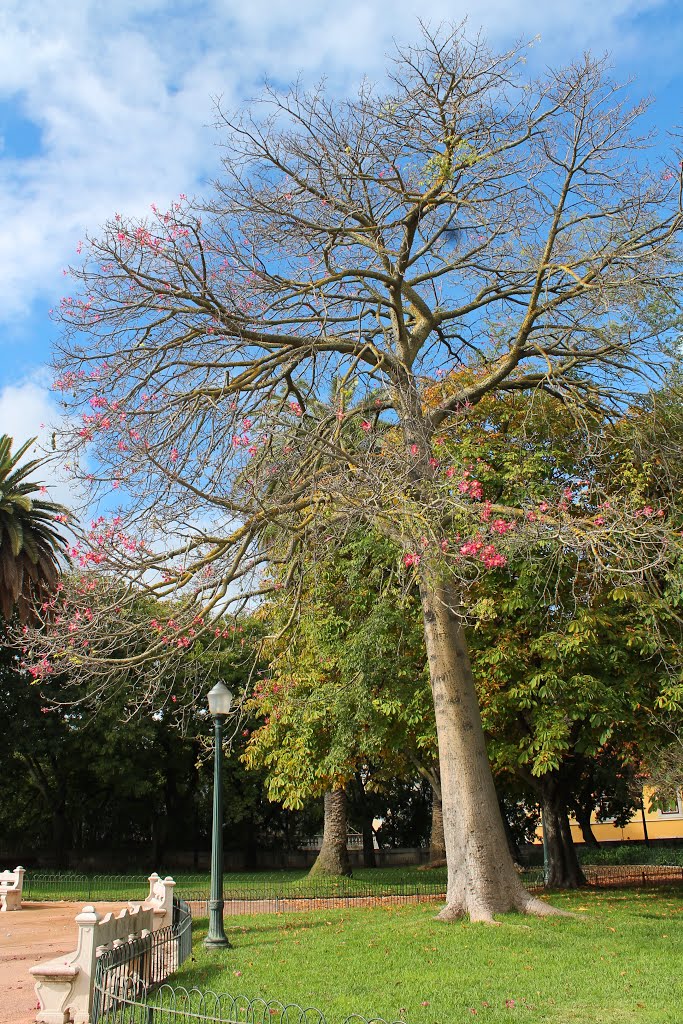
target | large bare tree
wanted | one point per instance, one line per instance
(255, 371)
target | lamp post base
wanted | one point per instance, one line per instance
(217, 942)
(216, 937)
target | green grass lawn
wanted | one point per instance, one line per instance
(618, 960)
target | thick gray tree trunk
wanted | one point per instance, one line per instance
(482, 880)
(333, 858)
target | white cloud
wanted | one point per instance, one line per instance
(27, 410)
(122, 95)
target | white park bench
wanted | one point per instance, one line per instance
(11, 884)
(64, 986)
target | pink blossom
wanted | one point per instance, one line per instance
(414, 449)
(450, 472)
(174, 455)
(599, 520)
(501, 526)
(471, 547)
(411, 559)
(296, 408)
(366, 426)
(543, 507)
(491, 558)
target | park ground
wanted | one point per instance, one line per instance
(39, 931)
(618, 960)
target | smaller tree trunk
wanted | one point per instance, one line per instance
(365, 814)
(564, 870)
(583, 819)
(333, 858)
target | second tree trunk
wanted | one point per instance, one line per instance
(333, 858)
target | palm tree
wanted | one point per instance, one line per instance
(30, 542)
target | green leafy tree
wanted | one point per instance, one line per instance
(346, 700)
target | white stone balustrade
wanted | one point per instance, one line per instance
(160, 899)
(64, 986)
(11, 884)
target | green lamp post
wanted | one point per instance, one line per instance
(220, 701)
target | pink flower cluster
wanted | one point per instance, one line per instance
(473, 487)
(486, 553)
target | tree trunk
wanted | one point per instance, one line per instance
(482, 880)
(437, 843)
(365, 814)
(563, 868)
(583, 819)
(333, 858)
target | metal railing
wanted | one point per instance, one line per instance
(131, 970)
(57, 885)
(280, 894)
(136, 1004)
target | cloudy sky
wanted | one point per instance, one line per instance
(108, 106)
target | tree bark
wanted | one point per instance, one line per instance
(583, 819)
(333, 858)
(437, 843)
(482, 880)
(564, 870)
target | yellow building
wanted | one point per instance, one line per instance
(650, 824)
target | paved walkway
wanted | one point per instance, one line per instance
(39, 931)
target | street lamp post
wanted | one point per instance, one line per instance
(220, 700)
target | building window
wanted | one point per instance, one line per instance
(672, 808)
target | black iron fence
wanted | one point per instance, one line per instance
(127, 973)
(279, 894)
(56, 885)
(608, 876)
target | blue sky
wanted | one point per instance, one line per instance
(108, 107)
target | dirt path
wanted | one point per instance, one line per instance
(39, 931)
